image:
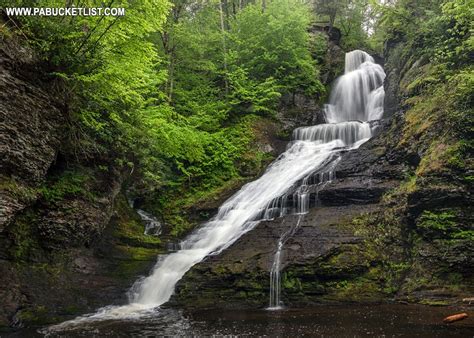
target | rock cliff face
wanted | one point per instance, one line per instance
(69, 242)
(386, 228)
(30, 126)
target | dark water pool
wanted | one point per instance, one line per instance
(323, 321)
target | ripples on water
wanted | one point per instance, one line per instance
(322, 321)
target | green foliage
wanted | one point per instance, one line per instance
(24, 239)
(454, 44)
(19, 191)
(218, 79)
(248, 95)
(355, 22)
(435, 46)
(170, 91)
(275, 45)
(443, 225)
(442, 222)
(441, 29)
(290, 283)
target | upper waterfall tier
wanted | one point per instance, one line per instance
(359, 93)
(348, 132)
(354, 59)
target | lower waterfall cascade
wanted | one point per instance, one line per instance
(310, 159)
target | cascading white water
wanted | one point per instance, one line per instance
(358, 94)
(353, 99)
(301, 196)
(235, 217)
(356, 99)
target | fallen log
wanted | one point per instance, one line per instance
(455, 318)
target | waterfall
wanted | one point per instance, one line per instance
(358, 94)
(353, 99)
(313, 152)
(275, 281)
(356, 98)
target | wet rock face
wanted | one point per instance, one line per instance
(47, 281)
(30, 126)
(238, 277)
(299, 110)
(323, 254)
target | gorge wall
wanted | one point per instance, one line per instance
(69, 242)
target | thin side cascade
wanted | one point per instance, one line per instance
(302, 208)
(357, 98)
(152, 225)
(275, 280)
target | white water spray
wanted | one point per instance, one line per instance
(358, 96)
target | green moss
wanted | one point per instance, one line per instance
(464, 235)
(69, 183)
(443, 225)
(458, 153)
(37, 315)
(434, 302)
(249, 284)
(132, 232)
(24, 236)
(19, 191)
(468, 179)
(290, 283)
(361, 289)
(139, 253)
(72, 310)
(129, 229)
(437, 221)
(136, 251)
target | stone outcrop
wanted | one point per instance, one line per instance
(323, 252)
(31, 127)
(69, 242)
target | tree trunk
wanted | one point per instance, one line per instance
(224, 48)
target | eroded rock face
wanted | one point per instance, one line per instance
(31, 127)
(239, 277)
(67, 245)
